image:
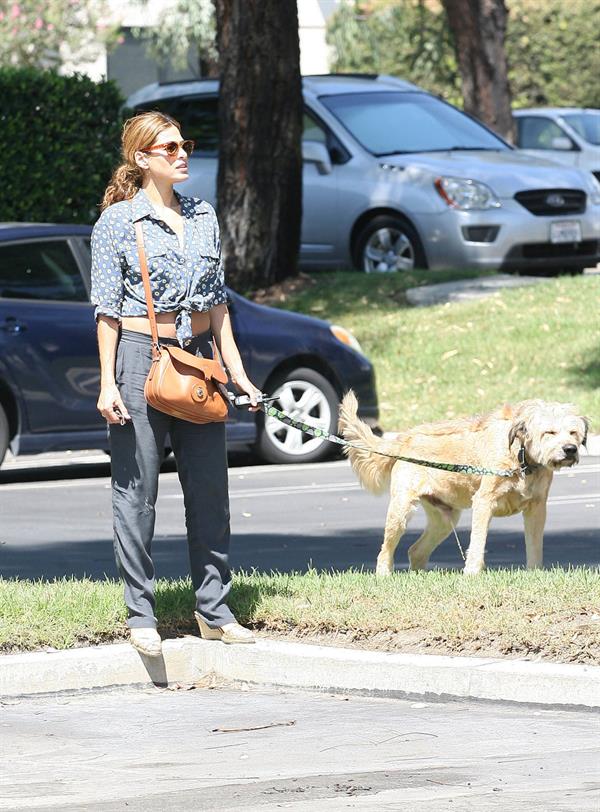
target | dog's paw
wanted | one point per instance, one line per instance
(472, 569)
(384, 570)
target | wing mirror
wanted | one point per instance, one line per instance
(561, 142)
(314, 152)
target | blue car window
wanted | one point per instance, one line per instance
(389, 123)
(41, 269)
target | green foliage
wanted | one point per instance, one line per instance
(189, 24)
(59, 142)
(44, 34)
(552, 48)
(406, 39)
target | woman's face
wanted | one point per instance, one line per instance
(156, 161)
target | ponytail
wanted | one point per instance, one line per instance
(124, 184)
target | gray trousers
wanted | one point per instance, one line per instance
(137, 450)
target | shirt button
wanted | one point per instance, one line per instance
(181, 260)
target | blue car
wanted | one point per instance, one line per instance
(49, 373)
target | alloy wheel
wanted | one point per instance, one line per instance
(388, 250)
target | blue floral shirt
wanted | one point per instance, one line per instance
(182, 278)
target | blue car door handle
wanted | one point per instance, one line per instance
(12, 325)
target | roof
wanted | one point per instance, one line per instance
(20, 231)
(325, 84)
(554, 111)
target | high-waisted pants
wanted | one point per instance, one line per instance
(137, 450)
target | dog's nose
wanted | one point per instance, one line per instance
(570, 450)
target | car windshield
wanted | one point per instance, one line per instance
(390, 123)
(587, 125)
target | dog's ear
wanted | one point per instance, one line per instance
(518, 429)
(586, 428)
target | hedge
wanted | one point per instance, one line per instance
(59, 141)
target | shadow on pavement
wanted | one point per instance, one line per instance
(286, 553)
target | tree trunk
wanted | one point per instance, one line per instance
(479, 29)
(259, 186)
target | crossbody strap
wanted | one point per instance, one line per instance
(139, 238)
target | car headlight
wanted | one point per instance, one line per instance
(466, 194)
(595, 193)
(346, 337)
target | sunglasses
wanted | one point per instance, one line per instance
(172, 148)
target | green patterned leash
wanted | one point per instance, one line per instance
(313, 431)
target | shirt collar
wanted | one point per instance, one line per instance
(141, 206)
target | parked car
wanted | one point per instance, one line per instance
(49, 374)
(396, 178)
(569, 135)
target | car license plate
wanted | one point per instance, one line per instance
(566, 231)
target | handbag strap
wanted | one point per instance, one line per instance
(139, 238)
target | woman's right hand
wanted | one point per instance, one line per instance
(111, 406)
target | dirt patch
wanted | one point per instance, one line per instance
(280, 292)
(576, 640)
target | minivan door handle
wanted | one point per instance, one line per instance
(12, 325)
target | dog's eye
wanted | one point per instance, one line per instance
(550, 432)
(573, 433)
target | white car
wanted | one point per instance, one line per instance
(568, 135)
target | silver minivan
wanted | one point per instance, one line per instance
(395, 178)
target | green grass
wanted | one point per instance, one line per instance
(443, 361)
(554, 614)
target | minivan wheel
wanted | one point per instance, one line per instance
(388, 244)
(4, 434)
(305, 395)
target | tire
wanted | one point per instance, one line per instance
(306, 395)
(388, 244)
(4, 434)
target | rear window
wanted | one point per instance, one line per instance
(198, 117)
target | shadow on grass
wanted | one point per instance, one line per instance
(586, 376)
(175, 604)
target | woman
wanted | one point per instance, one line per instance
(181, 238)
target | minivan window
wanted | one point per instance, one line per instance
(388, 123)
(41, 269)
(587, 125)
(198, 117)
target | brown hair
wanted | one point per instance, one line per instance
(138, 132)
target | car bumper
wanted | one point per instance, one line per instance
(507, 238)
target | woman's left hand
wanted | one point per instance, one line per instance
(244, 385)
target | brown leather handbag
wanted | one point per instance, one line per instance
(179, 383)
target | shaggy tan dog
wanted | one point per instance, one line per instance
(550, 433)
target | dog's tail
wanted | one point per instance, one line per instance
(372, 469)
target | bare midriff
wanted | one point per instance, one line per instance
(165, 323)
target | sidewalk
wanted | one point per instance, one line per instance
(299, 665)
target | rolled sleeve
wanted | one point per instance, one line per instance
(107, 278)
(220, 292)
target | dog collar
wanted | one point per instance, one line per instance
(525, 468)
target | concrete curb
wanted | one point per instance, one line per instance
(301, 665)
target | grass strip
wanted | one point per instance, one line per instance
(443, 361)
(551, 614)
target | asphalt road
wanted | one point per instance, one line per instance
(55, 520)
(230, 749)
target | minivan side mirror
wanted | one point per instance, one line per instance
(562, 142)
(314, 152)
